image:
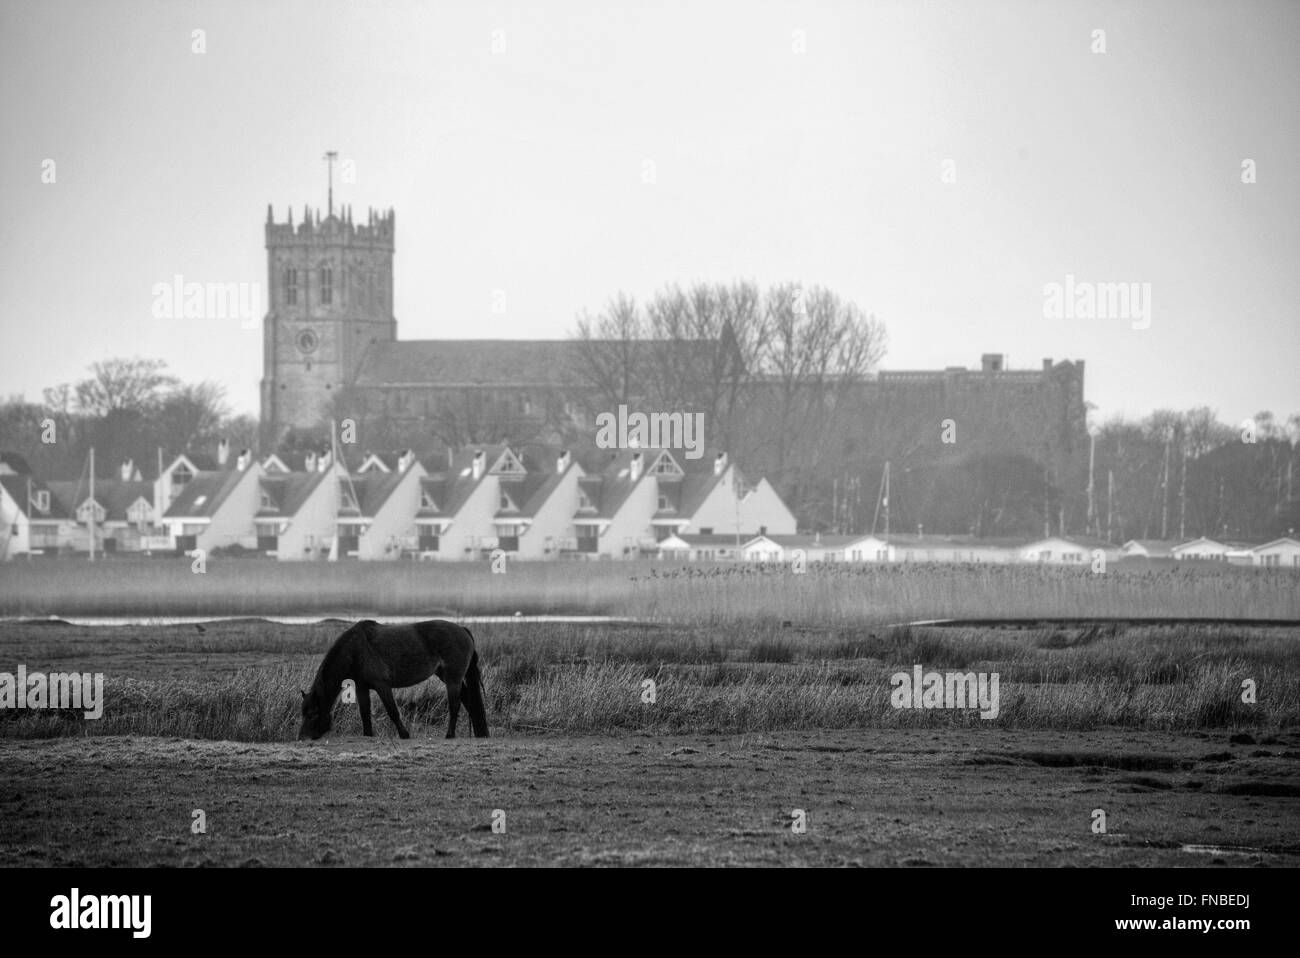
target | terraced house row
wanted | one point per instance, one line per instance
(610, 505)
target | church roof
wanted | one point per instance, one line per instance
(469, 362)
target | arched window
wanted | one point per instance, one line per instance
(326, 285)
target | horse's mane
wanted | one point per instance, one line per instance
(333, 654)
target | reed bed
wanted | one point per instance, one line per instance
(644, 590)
(734, 679)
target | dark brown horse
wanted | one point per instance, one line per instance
(387, 657)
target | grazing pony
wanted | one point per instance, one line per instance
(387, 657)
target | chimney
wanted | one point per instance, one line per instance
(1047, 365)
(636, 466)
(323, 460)
(719, 463)
(562, 461)
(223, 451)
(128, 470)
(480, 463)
(991, 362)
(405, 460)
(245, 456)
(309, 462)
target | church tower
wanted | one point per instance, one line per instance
(330, 297)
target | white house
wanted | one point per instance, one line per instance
(378, 510)
(1067, 550)
(215, 508)
(464, 512)
(698, 547)
(122, 513)
(638, 498)
(1201, 549)
(534, 519)
(1280, 553)
(905, 547)
(298, 512)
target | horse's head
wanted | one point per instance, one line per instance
(318, 704)
(316, 720)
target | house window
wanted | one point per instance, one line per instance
(326, 285)
(426, 500)
(663, 503)
(584, 500)
(267, 501)
(666, 467)
(707, 531)
(42, 502)
(181, 475)
(291, 287)
(506, 504)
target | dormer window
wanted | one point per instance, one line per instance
(42, 500)
(426, 500)
(509, 465)
(506, 504)
(666, 466)
(584, 500)
(664, 504)
(181, 475)
(267, 501)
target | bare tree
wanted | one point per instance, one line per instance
(126, 385)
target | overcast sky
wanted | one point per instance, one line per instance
(789, 141)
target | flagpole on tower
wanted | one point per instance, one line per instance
(330, 157)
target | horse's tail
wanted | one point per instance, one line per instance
(472, 695)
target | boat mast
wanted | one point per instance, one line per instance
(92, 504)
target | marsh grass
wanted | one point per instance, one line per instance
(836, 595)
(588, 679)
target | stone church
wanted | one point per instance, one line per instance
(331, 351)
(330, 329)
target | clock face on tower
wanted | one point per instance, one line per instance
(307, 341)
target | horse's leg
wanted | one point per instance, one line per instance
(453, 707)
(363, 703)
(390, 706)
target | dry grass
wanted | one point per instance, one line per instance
(588, 679)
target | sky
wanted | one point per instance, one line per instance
(938, 164)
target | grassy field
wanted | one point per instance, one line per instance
(846, 595)
(772, 692)
(238, 680)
